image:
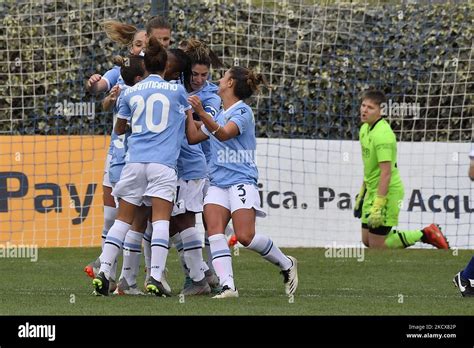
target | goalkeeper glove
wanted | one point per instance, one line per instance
(376, 216)
(359, 202)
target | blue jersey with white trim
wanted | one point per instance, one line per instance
(113, 77)
(118, 146)
(211, 103)
(156, 111)
(233, 161)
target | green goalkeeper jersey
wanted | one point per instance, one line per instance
(379, 144)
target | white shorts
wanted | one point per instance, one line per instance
(105, 180)
(141, 181)
(205, 188)
(189, 196)
(242, 196)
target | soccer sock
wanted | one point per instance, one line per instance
(222, 260)
(192, 250)
(229, 231)
(468, 272)
(178, 243)
(159, 248)
(132, 249)
(113, 270)
(112, 246)
(269, 251)
(402, 239)
(207, 246)
(110, 213)
(147, 247)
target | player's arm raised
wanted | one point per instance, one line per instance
(229, 131)
(96, 84)
(109, 101)
(194, 133)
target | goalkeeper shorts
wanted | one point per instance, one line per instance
(391, 209)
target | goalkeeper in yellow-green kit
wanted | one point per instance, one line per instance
(379, 201)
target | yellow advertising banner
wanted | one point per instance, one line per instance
(51, 190)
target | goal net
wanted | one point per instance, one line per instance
(317, 57)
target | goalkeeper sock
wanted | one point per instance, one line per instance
(468, 272)
(402, 239)
(132, 249)
(112, 246)
(147, 247)
(110, 213)
(192, 251)
(159, 248)
(178, 244)
(269, 251)
(222, 260)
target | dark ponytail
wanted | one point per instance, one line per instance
(247, 82)
(155, 57)
(130, 67)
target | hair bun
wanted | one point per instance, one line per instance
(118, 60)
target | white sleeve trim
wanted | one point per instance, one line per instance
(108, 83)
(122, 117)
(205, 131)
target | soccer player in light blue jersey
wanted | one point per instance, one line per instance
(134, 39)
(203, 58)
(127, 35)
(133, 72)
(156, 110)
(233, 192)
(112, 81)
(192, 174)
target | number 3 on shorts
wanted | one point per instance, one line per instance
(241, 188)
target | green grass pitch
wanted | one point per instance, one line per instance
(402, 282)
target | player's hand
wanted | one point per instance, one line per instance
(196, 104)
(94, 79)
(376, 216)
(114, 93)
(359, 202)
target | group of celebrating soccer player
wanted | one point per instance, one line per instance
(165, 165)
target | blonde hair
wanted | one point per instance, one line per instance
(120, 32)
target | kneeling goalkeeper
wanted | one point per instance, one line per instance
(381, 196)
